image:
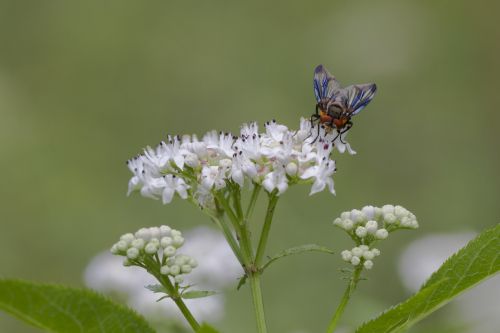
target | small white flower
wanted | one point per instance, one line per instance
(174, 184)
(323, 176)
(213, 176)
(276, 180)
(242, 166)
(275, 131)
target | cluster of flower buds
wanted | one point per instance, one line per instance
(371, 224)
(158, 245)
(276, 158)
(360, 254)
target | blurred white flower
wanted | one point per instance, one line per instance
(424, 256)
(479, 307)
(217, 269)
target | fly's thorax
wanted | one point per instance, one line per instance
(336, 110)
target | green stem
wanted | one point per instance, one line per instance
(345, 299)
(264, 235)
(253, 201)
(237, 201)
(241, 231)
(153, 267)
(228, 210)
(258, 303)
(179, 302)
(228, 234)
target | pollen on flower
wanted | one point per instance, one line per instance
(190, 168)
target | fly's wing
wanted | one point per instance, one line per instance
(325, 84)
(358, 96)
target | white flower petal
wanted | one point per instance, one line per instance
(168, 195)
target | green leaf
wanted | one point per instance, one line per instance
(57, 308)
(157, 288)
(475, 262)
(206, 329)
(241, 282)
(297, 250)
(197, 294)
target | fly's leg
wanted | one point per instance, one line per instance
(317, 135)
(347, 127)
(314, 117)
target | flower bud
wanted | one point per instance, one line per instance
(174, 233)
(346, 255)
(127, 262)
(347, 225)
(376, 252)
(355, 261)
(369, 211)
(114, 249)
(127, 238)
(364, 247)
(291, 169)
(357, 216)
(122, 246)
(132, 253)
(381, 234)
(337, 222)
(164, 231)
(138, 243)
(388, 209)
(193, 263)
(143, 233)
(155, 232)
(181, 260)
(368, 264)
(175, 270)
(169, 251)
(165, 270)
(390, 218)
(185, 269)
(178, 279)
(361, 232)
(177, 241)
(368, 255)
(345, 215)
(371, 227)
(357, 252)
(400, 212)
(166, 241)
(151, 248)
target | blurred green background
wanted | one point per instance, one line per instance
(85, 85)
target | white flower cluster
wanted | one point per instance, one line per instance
(371, 224)
(160, 243)
(360, 254)
(274, 159)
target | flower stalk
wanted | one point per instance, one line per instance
(353, 282)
